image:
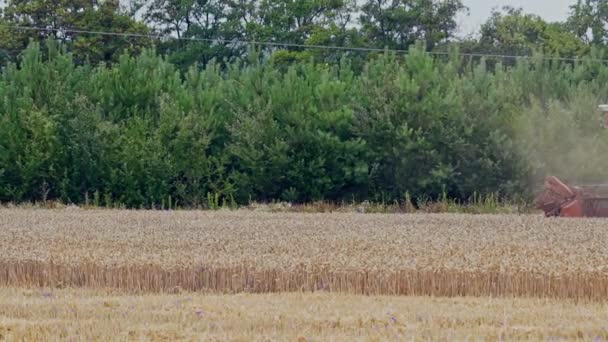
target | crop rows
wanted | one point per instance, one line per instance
(243, 251)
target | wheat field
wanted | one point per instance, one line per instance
(100, 315)
(257, 252)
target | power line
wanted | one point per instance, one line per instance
(207, 40)
(292, 45)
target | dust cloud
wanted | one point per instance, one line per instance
(567, 140)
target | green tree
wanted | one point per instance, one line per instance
(203, 29)
(216, 29)
(291, 21)
(61, 18)
(397, 24)
(589, 21)
(514, 32)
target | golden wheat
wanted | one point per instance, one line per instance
(243, 251)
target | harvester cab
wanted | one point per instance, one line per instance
(604, 109)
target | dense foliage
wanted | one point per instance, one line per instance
(200, 122)
(142, 134)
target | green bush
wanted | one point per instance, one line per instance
(142, 134)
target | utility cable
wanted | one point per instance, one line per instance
(290, 45)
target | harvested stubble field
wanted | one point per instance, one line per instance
(256, 252)
(98, 315)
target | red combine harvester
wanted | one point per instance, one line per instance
(562, 200)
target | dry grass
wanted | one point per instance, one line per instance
(243, 251)
(88, 315)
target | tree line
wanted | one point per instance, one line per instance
(215, 29)
(147, 123)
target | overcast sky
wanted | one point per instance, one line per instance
(480, 10)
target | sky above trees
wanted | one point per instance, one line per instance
(480, 11)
